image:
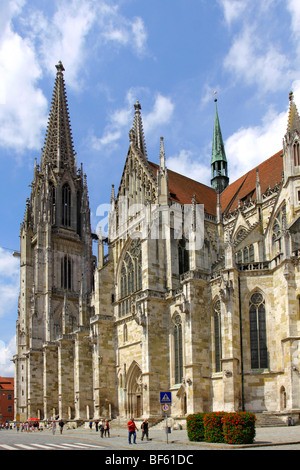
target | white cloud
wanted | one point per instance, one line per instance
(120, 121)
(256, 62)
(20, 125)
(259, 55)
(77, 31)
(63, 37)
(294, 8)
(233, 9)
(161, 114)
(9, 282)
(139, 34)
(6, 354)
(248, 147)
(186, 163)
(41, 40)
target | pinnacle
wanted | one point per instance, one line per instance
(293, 120)
(138, 129)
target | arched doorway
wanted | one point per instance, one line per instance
(134, 391)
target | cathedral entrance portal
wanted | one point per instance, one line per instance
(134, 403)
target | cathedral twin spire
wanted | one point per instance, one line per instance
(58, 149)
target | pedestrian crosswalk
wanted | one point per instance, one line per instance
(51, 446)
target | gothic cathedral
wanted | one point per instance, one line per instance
(198, 293)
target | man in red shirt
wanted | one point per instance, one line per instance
(131, 430)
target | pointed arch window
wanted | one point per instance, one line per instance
(245, 255)
(279, 224)
(178, 352)
(183, 256)
(66, 205)
(258, 334)
(296, 153)
(125, 334)
(66, 273)
(52, 197)
(131, 270)
(218, 336)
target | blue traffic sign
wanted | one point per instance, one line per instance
(165, 397)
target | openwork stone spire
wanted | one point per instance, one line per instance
(138, 130)
(58, 149)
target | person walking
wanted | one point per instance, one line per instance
(106, 428)
(101, 427)
(53, 425)
(132, 430)
(61, 426)
(144, 428)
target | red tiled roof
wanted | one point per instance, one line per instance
(270, 174)
(182, 190)
(6, 383)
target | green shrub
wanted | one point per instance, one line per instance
(230, 428)
(213, 427)
(195, 427)
(239, 428)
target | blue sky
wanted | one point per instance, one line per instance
(171, 55)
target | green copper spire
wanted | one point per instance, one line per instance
(219, 176)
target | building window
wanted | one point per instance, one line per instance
(66, 273)
(66, 205)
(258, 334)
(183, 256)
(245, 256)
(279, 224)
(131, 270)
(52, 197)
(125, 334)
(178, 356)
(218, 337)
(296, 154)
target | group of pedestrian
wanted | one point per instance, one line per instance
(102, 426)
(132, 428)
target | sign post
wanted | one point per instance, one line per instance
(166, 400)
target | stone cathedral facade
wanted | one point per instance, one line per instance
(195, 291)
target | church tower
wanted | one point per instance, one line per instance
(56, 268)
(219, 174)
